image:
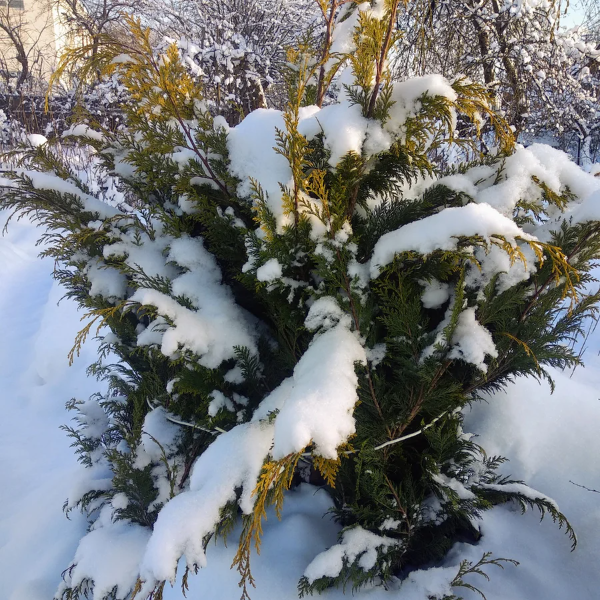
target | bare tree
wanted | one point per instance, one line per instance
(543, 78)
(89, 19)
(27, 44)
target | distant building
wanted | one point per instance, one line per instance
(32, 36)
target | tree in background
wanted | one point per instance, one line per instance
(543, 79)
(592, 20)
(237, 47)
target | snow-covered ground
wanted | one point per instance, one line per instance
(551, 440)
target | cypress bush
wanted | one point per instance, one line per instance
(304, 297)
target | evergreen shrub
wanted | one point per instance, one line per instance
(305, 297)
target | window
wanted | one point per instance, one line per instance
(18, 4)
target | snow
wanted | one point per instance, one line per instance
(440, 232)
(471, 341)
(122, 59)
(270, 271)
(588, 210)
(321, 401)
(234, 375)
(406, 97)
(456, 486)
(356, 543)
(496, 260)
(120, 546)
(215, 327)
(520, 488)
(105, 281)
(208, 332)
(251, 152)
(344, 129)
(325, 313)
(550, 166)
(435, 293)
(142, 253)
(233, 460)
(376, 354)
(99, 477)
(83, 130)
(218, 402)
(428, 583)
(342, 39)
(158, 430)
(47, 181)
(92, 418)
(37, 464)
(35, 139)
(552, 441)
(459, 183)
(274, 401)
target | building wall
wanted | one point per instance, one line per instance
(37, 25)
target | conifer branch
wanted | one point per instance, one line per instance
(380, 64)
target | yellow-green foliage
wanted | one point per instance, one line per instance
(273, 482)
(161, 88)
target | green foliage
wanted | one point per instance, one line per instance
(469, 568)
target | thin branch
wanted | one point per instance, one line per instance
(214, 431)
(584, 487)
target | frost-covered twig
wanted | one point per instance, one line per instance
(400, 439)
(214, 431)
(410, 435)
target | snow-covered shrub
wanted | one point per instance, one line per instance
(304, 287)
